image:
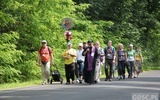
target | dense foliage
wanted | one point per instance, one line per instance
(24, 23)
(135, 21)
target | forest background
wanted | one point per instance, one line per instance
(25, 23)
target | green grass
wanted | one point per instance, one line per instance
(19, 85)
(25, 84)
(151, 68)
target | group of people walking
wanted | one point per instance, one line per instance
(86, 62)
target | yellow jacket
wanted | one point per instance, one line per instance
(71, 53)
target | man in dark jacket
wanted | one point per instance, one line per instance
(90, 54)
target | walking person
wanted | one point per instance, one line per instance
(84, 45)
(80, 61)
(114, 67)
(121, 59)
(99, 60)
(76, 72)
(109, 51)
(69, 55)
(130, 60)
(45, 59)
(138, 61)
(90, 54)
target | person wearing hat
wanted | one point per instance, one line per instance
(91, 54)
(69, 55)
(130, 60)
(80, 61)
(45, 59)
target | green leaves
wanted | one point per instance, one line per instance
(25, 23)
(9, 74)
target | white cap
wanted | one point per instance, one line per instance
(80, 44)
(131, 45)
(44, 41)
(69, 43)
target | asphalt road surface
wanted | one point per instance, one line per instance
(146, 87)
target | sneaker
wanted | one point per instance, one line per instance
(110, 80)
(130, 77)
(43, 83)
(80, 81)
(72, 82)
(106, 79)
(77, 80)
(95, 81)
(120, 77)
(98, 80)
(134, 77)
(67, 83)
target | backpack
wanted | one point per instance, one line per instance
(101, 51)
(109, 56)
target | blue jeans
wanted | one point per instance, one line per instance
(80, 65)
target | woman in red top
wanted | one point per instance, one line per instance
(45, 59)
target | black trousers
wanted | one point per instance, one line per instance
(127, 65)
(76, 71)
(121, 67)
(89, 78)
(131, 63)
(70, 71)
(108, 67)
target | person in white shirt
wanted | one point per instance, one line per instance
(99, 61)
(80, 61)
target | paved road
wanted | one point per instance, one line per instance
(149, 82)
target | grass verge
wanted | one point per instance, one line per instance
(19, 85)
(151, 68)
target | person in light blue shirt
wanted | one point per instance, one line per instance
(130, 59)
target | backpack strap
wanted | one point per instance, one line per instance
(139, 53)
(49, 49)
